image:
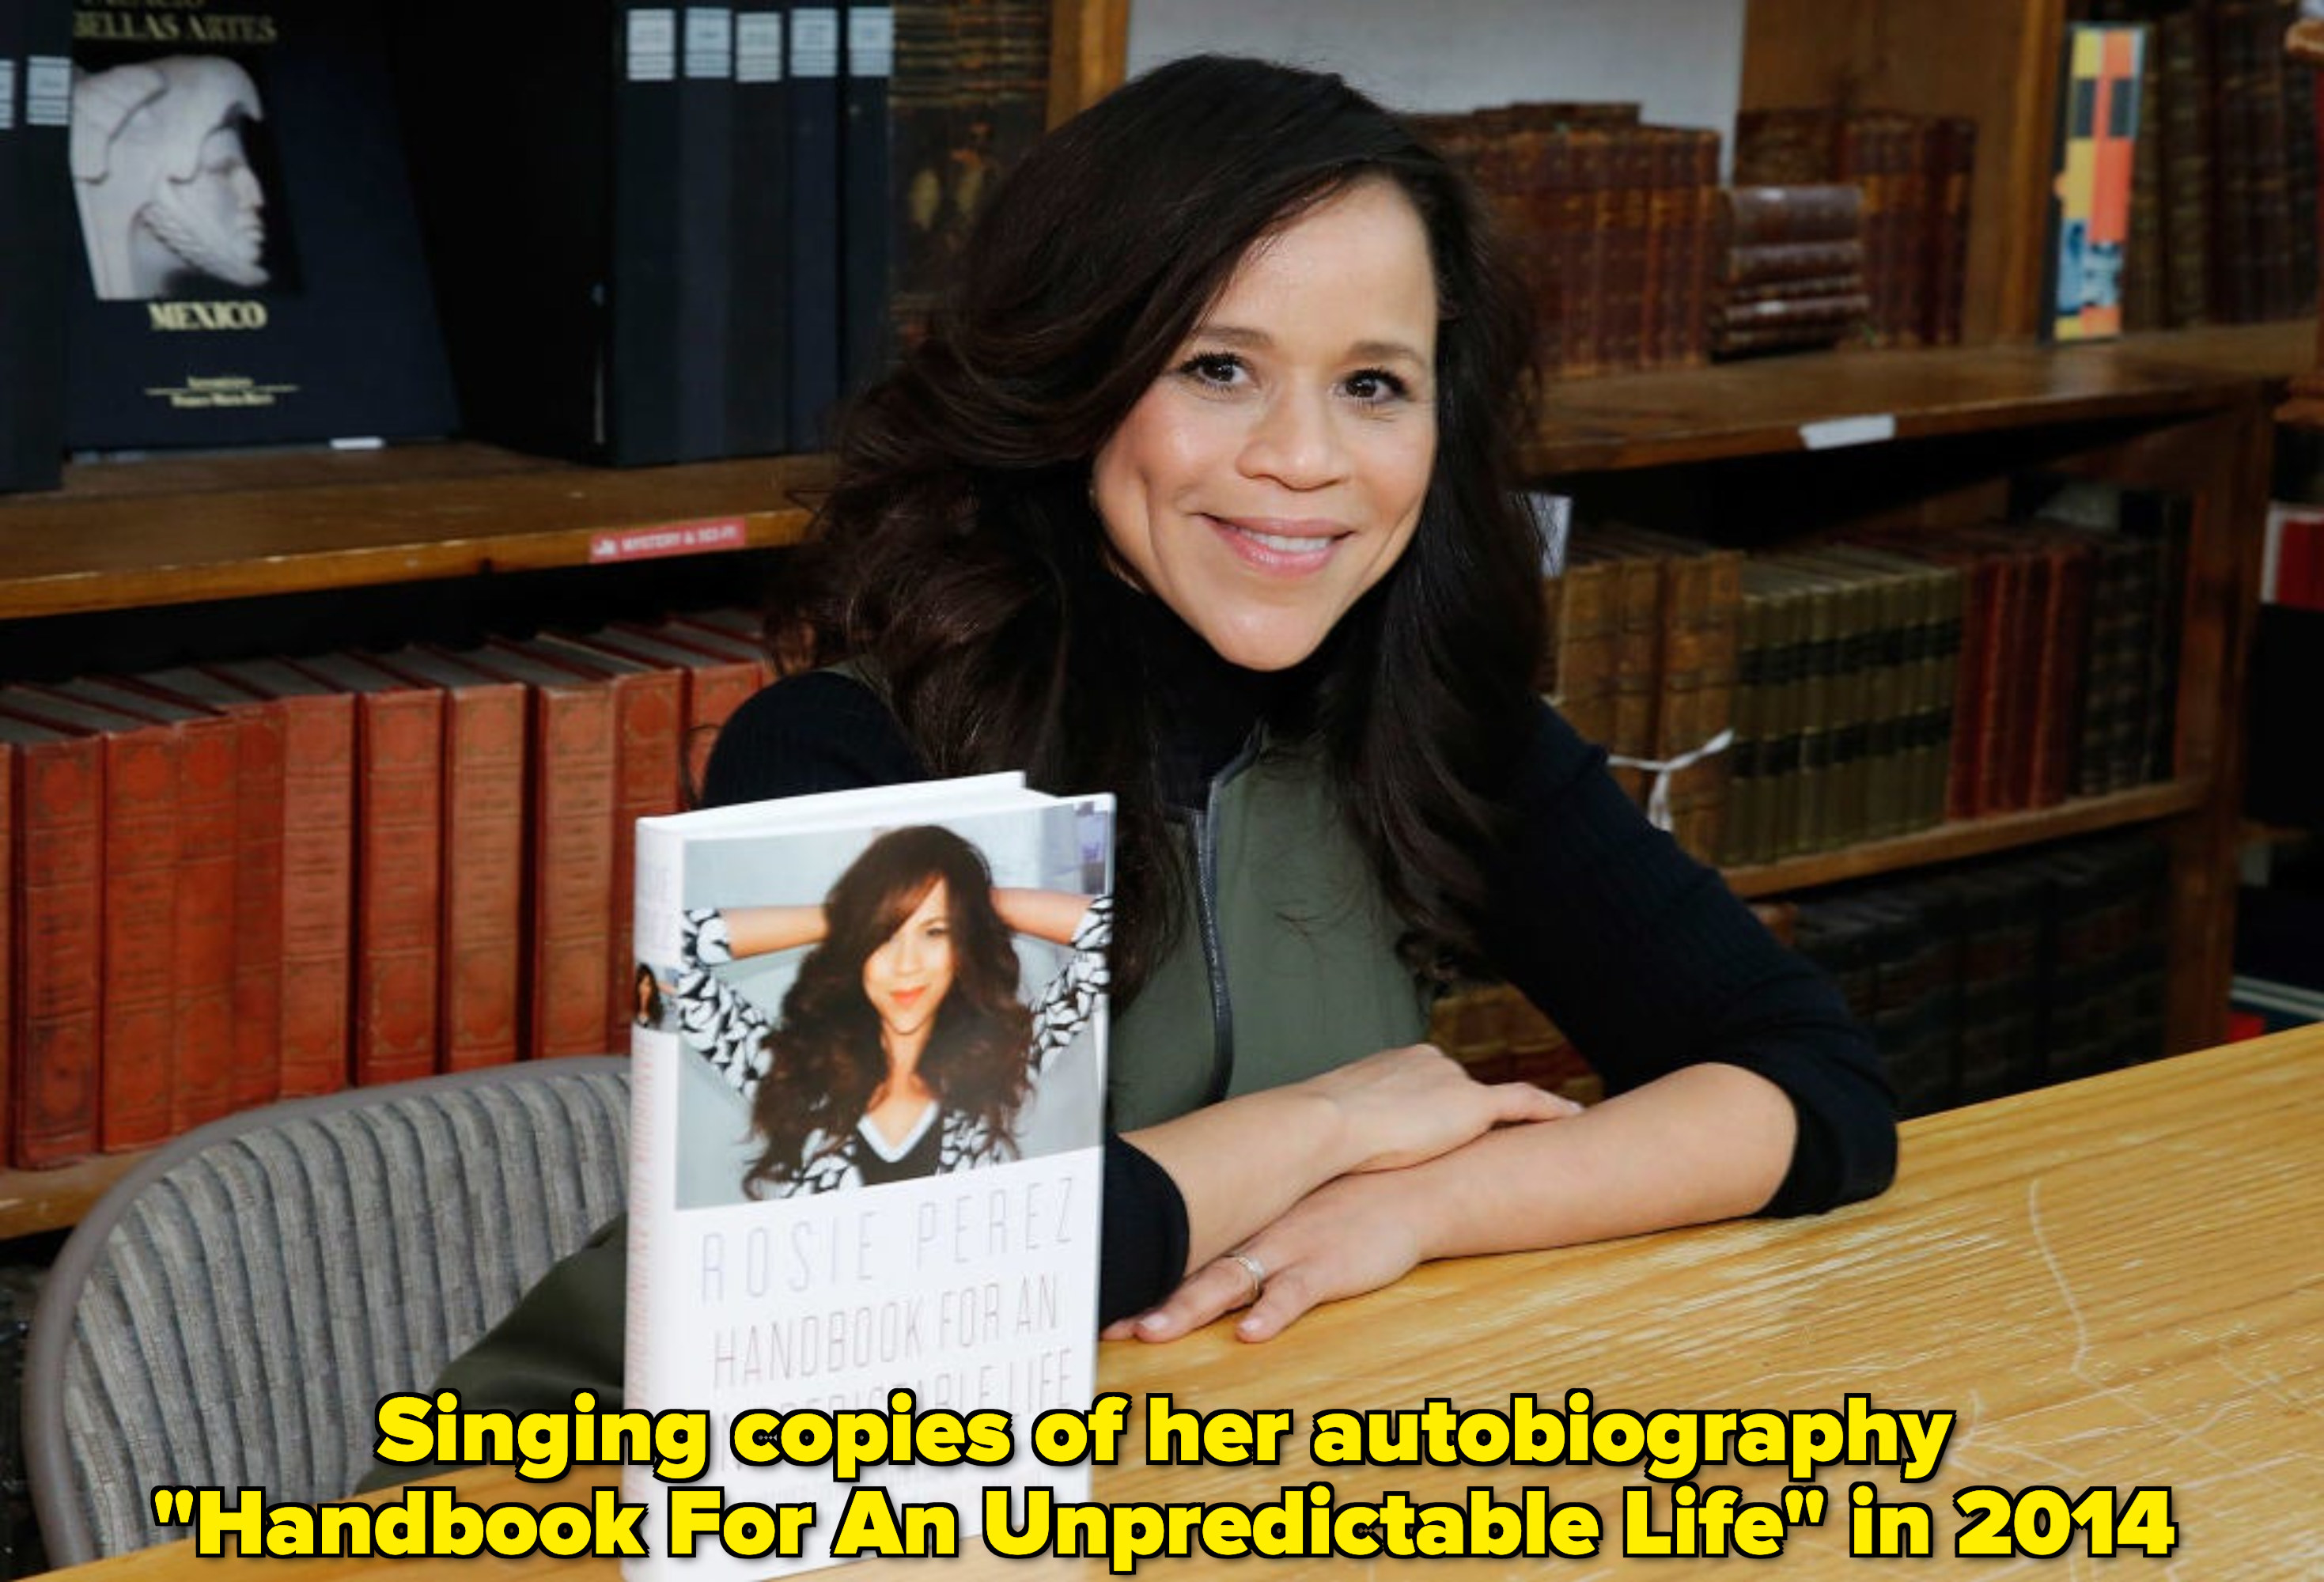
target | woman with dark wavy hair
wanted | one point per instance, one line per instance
(902, 1048)
(1199, 492)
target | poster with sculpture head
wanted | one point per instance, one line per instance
(249, 251)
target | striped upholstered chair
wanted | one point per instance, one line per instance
(231, 1312)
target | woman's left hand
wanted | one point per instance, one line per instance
(1350, 1235)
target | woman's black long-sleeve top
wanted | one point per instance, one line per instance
(1641, 955)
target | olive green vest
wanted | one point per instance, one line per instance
(1284, 961)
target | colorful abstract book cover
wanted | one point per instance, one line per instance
(2090, 208)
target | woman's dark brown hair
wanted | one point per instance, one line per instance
(827, 1058)
(960, 554)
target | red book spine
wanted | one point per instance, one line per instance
(398, 880)
(484, 873)
(60, 920)
(649, 706)
(208, 818)
(1972, 689)
(317, 890)
(572, 868)
(257, 1077)
(2010, 724)
(141, 896)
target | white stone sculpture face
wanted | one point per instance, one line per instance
(214, 221)
(168, 203)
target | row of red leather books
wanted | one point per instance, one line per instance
(231, 883)
(1610, 220)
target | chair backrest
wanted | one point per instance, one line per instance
(232, 1311)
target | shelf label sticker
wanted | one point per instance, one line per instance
(674, 538)
(1833, 433)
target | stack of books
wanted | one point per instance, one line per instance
(241, 881)
(1610, 219)
(1790, 270)
(1915, 174)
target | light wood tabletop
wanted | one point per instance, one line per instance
(2116, 1284)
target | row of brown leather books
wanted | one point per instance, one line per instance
(1641, 659)
(1610, 220)
(2223, 226)
(1915, 173)
(1790, 270)
(2002, 976)
(231, 883)
(1915, 676)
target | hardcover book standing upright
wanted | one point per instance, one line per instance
(36, 212)
(869, 1053)
(2090, 211)
(250, 255)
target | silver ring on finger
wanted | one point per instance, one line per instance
(1252, 1267)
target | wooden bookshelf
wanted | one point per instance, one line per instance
(1952, 842)
(177, 530)
(33, 1201)
(1771, 405)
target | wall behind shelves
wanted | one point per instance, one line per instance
(1682, 59)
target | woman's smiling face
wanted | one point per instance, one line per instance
(1275, 472)
(906, 978)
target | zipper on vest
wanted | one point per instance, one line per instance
(1206, 912)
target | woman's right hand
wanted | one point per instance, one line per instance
(1402, 1106)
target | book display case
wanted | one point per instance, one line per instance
(2188, 412)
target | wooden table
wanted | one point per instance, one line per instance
(2118, 1282)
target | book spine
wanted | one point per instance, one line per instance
(644, 404)
(319, 784)
(2144, 273)
(36, 276)
(209, 830)
(1640, 635)
(922, 231)
(2188, 176)
(816, 218)
(1753, 216)
(656, 889)
(705, 242)
(573, 788)
(1786, 670)
(56, 1032)
(484, 874)
(757, 370)
(257, 907)
(865, 202)
(399, 880)
(141, 897)
(648, 707)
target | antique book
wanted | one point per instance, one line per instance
(56, 838)
(2190, 180)
(256, 1066)
(570, 856)
(807, 1228)
(317, 869)
(399, 865)
(250, 262)
(136, 937)
(480, 934)
(648, 724)
(202, 959)
(715, 687)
